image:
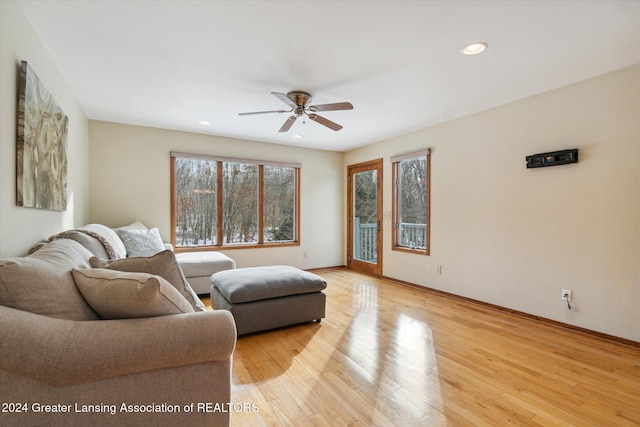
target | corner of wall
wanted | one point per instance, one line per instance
(21, 227)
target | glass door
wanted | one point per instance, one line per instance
(364, 251)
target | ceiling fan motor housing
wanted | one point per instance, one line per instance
(301, 99)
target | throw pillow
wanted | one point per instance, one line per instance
(122, 295)
(141, 242)
(163, 264)
(135, 225)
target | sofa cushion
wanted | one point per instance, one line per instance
(108, 237)
(122, 295)
(42, 283)
(96, 234)
(258, 283)
(163, 264)
(91, 243)
(141, 242)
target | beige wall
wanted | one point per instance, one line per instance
(22, 227)
(130, 179)
(516, 237)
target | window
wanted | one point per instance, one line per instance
(279, 203)
(239, 203)
(218, 202)
(411, 202)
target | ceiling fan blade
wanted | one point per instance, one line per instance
(284, 98)
(263, 112)
(326, 122)
(287, 125)
(332, 107)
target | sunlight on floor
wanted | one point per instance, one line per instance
(415, 367)
(406, 358)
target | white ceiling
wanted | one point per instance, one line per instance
(169, 64)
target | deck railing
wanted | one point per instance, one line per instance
(413, 235)
(365, 243)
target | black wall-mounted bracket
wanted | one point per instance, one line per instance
(554, 158)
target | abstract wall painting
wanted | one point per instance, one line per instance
(41, 154)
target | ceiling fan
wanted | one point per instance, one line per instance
(298, 101)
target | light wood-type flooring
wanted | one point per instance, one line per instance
(392, 355)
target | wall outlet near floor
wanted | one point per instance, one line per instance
(438, 269)
(305, 254)
(566, 295)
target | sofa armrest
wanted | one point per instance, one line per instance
(65, 352)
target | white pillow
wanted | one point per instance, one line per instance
(135, 225)
(143, 243)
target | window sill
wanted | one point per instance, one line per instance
(203, 248)
(410, 250)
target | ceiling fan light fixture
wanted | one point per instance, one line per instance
(474, 48)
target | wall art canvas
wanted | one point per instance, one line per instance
(42, 146)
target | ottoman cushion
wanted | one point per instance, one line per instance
(199, 266)
(258, 283)
(196, 264)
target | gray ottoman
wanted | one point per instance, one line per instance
(199, 266)
(262, 298)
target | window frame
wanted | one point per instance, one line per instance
(220, 245)
(395, 211)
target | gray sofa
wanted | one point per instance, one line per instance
(63, 363)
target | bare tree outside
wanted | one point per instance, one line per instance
(197, 191)
(279, 203)
(240, 203)
(196, 185)
(365, 211)
(412, 202)
(365, 189)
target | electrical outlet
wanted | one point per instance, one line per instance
(438, 269)
(568, 293)
(305, 254)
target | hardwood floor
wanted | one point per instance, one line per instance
(391, 355)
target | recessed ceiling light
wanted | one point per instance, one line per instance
(298, 136)
(204, 123)
(474, 48)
